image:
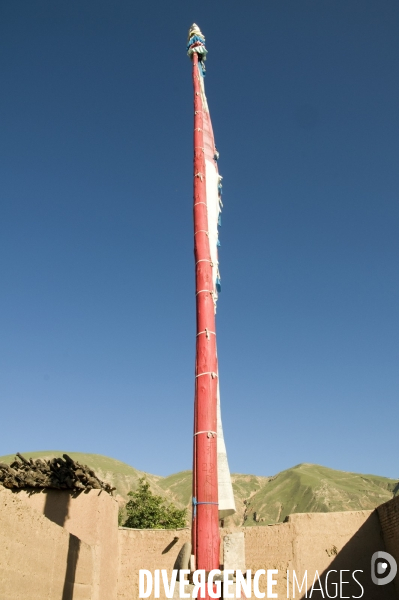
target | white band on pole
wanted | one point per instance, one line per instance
(213, 433)
(211, 373)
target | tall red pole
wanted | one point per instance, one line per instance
(205, 525)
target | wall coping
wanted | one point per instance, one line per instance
(152, 529)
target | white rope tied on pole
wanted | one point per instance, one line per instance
(209, 433)
(207, 332)
(209, 291)
(211, 373)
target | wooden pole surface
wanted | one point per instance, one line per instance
(205, 525)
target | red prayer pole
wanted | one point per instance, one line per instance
(205, 524)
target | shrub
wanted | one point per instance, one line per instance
(145, 510)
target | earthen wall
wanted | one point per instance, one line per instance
(38, 559)
(55, 546)
(389, 519)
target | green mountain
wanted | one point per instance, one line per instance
(259, 500)
(313, 488)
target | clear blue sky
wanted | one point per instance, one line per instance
(97, 302)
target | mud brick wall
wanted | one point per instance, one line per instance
(62, 546)
(93, 518)
(317, 541)
(39, 559)
(389, 518)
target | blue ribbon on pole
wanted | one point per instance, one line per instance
(201, 68)
(195, 504)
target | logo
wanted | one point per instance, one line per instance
(383, 568)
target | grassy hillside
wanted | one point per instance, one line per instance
(259, 500)
(312, 488)
(304, 488)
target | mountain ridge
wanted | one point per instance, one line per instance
(260, 500)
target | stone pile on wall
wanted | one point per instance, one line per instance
(56, 473)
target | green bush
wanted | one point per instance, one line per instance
(145, 510)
